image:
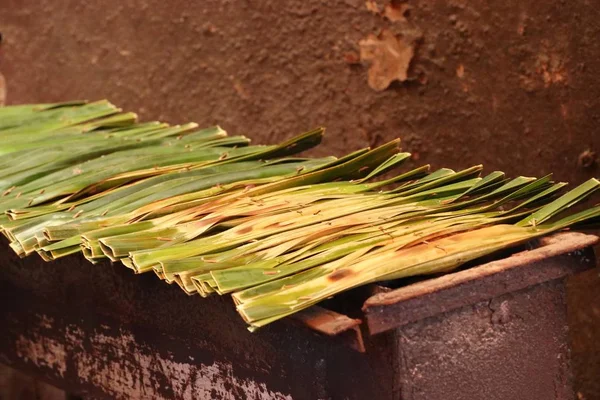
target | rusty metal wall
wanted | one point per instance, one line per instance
(509, 84)
(494, 331)
(104, 332)
(517, 337)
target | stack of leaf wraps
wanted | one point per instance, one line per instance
(277, 231)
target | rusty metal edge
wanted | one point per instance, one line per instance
(398, 307)
(332, 324)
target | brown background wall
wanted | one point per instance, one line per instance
(513, 84)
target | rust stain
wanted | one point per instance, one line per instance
(43, 352)
(522, 25)
(351, 58)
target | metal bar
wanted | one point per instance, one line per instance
(559, 256)
(333, 324)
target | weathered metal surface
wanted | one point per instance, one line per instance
(497, 331)
(512, 347)
(106, 333)
(557, 257)
(117, 361)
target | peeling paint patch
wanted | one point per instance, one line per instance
(137, 373)
(121, 367)
(389, 56)
(43, 352)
